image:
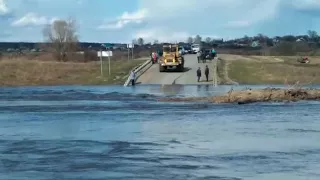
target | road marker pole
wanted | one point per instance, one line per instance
(109, 65)
(109, 54)
(128, 47)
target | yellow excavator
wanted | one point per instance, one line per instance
(171, 58)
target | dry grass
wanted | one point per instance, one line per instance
(33, 72)
(259, 95)
(273, 70)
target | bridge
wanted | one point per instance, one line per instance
(189, 76)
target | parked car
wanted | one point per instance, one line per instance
(206, 55)
(188, 50)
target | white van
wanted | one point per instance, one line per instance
(195, 48)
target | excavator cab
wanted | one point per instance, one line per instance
(170, 49)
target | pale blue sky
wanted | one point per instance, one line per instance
(165, 20)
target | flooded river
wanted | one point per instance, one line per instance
(115, 132)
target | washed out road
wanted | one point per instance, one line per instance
(153, 76)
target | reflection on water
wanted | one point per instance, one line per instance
(125, 133)
(171, 90)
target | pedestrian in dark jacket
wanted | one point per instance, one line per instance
(206, 72)
(199, 74)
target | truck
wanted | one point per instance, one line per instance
(195, 48)
(171, 58)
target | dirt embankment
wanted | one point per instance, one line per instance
(259, 95)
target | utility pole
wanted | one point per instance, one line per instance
(101, 69)
(132, 50)
(109, 62)
(128, 51)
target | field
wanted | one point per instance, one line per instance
(267, 70)
(21, 72)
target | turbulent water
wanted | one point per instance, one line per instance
(91, 133)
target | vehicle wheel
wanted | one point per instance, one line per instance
(161, 68)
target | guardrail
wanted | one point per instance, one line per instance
(139, 70)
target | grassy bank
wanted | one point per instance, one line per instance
(33, 72)
(271, 70)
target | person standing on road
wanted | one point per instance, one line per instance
(154, 57)
(198, 55)
(199, 74)
(132, 78)
(206, 72)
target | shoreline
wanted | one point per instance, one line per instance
(255, 95)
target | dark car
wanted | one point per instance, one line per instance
(206, 55)
(188, 50)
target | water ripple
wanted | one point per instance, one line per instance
(93, 133)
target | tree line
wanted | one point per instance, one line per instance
(311, 36)
(62, 40)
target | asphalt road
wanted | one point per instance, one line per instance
(189, 76)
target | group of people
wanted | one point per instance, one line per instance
(154, 57)
(206, 73)
(202, 52)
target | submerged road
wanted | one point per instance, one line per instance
(153, 76)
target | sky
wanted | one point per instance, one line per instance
(120, 21)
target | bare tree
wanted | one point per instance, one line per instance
(155, 42)
(197, 39)
(208, 40)
(134, 41)
(313, 35)
(62, 38)
(140, 41)
(190, 40)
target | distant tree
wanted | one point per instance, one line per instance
(246, 39)
(277, 37)
(208, 40)
(313, 35)
(289, 38)
(261, 38)
(61, 37)
(134, 41)
(140, 41)
(190, 40)
(269, 42)
(197, 39)
(155, 42)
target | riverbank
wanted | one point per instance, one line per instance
(34, 72)
(268, 70)
(257, 95)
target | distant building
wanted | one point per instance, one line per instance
(300, 40)
(255, 44)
